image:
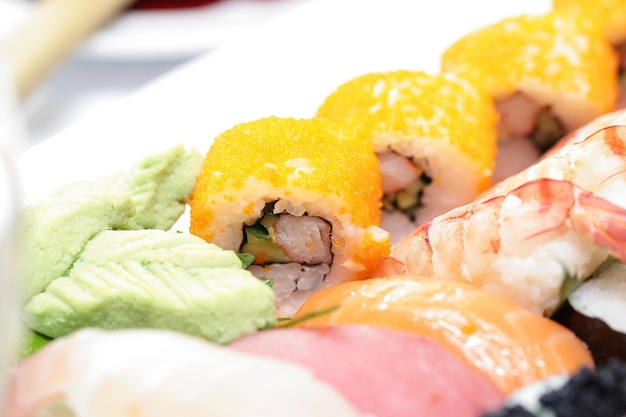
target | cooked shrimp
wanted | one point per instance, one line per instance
(592, 157)
(531, 244)
(152, 373)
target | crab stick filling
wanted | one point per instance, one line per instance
(403, 182)
(521, 117)
(295, 252)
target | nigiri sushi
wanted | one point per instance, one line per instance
(303, 197)
(154, 373)
(509, 344)
(434, 135)
(383, 372)
(548, 73)
(593, 157)
(534, 244)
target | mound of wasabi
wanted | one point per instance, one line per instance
(150, 195)
(154, 279)
(101, 254)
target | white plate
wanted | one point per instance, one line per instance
(285, 69)
(164, 34)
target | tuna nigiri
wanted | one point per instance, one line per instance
(506, 342)
(383, 372)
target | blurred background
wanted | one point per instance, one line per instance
(142, 43)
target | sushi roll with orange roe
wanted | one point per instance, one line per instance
(610, 17)
(301, 196)
(549, 74)
(434, 135)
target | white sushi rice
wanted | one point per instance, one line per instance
(604, 297)
(535, 279)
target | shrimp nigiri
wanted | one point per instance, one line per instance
(504, 341)
(155, 373)
(533, 244)
(576, 158)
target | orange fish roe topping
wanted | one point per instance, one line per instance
(609, 15)
(290, 155)
(415, 104)
(561, 53)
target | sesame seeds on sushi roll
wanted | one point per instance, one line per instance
(434, 135)
(549, 74)
(301, 196)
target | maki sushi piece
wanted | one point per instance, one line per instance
(548, 74)
(434, 136)
(588, 393)
(610, 17)
(301, 197)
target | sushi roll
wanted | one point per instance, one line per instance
(301, 197)
(507, 343)
(548, 74)
(610, 17)
(434, 135)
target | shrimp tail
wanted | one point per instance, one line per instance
(601, 221)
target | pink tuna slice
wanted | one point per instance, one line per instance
(384, 372)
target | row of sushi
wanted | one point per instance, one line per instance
(441, 141)
(125, 273)
(336, 371)
(395, 207)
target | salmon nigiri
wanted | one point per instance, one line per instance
(506, 342)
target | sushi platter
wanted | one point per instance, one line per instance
(395, 205)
